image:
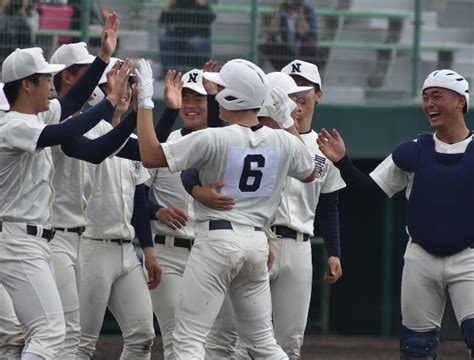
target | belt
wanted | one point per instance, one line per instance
(78, 230)
(225, 225)
(178, 242)
(47, 234)
(118, 241)
(286, 232)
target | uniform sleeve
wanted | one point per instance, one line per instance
(333, 180)
(19, 134)
(143, 175)
(187, 152)
(302, 163)
(389, 177)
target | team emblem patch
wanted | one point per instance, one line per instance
(321, 165)
(136, 167)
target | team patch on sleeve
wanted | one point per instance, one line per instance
(321, 165)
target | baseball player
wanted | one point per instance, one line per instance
(230, 251)
(26, 196)
(111, 275)
(12, 339)
(292, 270)
(173, 229)
(439, 258)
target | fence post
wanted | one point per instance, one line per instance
(416, 50)
(254, 32)
(85, 20)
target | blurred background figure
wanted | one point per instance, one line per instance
(185, 34)
(18, 25)
(293, 34)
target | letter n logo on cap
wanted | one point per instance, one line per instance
(296, 67)
(193, 78)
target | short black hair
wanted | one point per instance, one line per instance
(11, 89)
(73, 69)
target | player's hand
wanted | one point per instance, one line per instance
(174, 218)
(281, 109)
(271, 256)
(210, 196)
(153, 270)
(335, 270)
(117, 81)
(145, 84)
(173, 87)
(109, 37)
(331, 145)
(211, 88)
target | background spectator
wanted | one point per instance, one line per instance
(185, 37)
(293, 34)
(18, 26)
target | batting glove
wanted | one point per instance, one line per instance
(281, 109)
(145, 84)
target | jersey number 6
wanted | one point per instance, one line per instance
(248, 173)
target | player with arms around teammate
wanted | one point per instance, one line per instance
(439, 258)
(26, 191)
(230, 251)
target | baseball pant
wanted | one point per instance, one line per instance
(426, 281)
(64, 255)
(26, 274)
(221, 340)
(291, 279)
(12, 339)
(226, 261)
(111, 276)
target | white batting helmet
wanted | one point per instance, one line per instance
(245, 86)
(451, 80)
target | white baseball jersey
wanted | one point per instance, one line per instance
(252, 163)
(168, 191)
(113, 182)
(25, 171)
(298, 204)
(391, 179)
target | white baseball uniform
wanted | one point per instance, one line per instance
(423, 301)
(25, 214)
(292, 271)
(230, 251)
(167, 190)
(111, 275)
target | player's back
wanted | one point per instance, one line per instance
(253, 163)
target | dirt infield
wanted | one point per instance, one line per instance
(316, 347)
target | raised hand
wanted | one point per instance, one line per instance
(211, 88)
(280, 110)
(209, 196)
(331, 145)
(174, 218)
(173, 87)
(117, 81)
(145, 84)
(335, 270)
(109, 37)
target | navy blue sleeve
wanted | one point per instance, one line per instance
(75, 98)
(152, 207)
(76, 126)
(329, 222)
(140, 219)
(97, 150)
(130, 150)
(165, 124)
(213, 119)
(190, 178)
(354, 177)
